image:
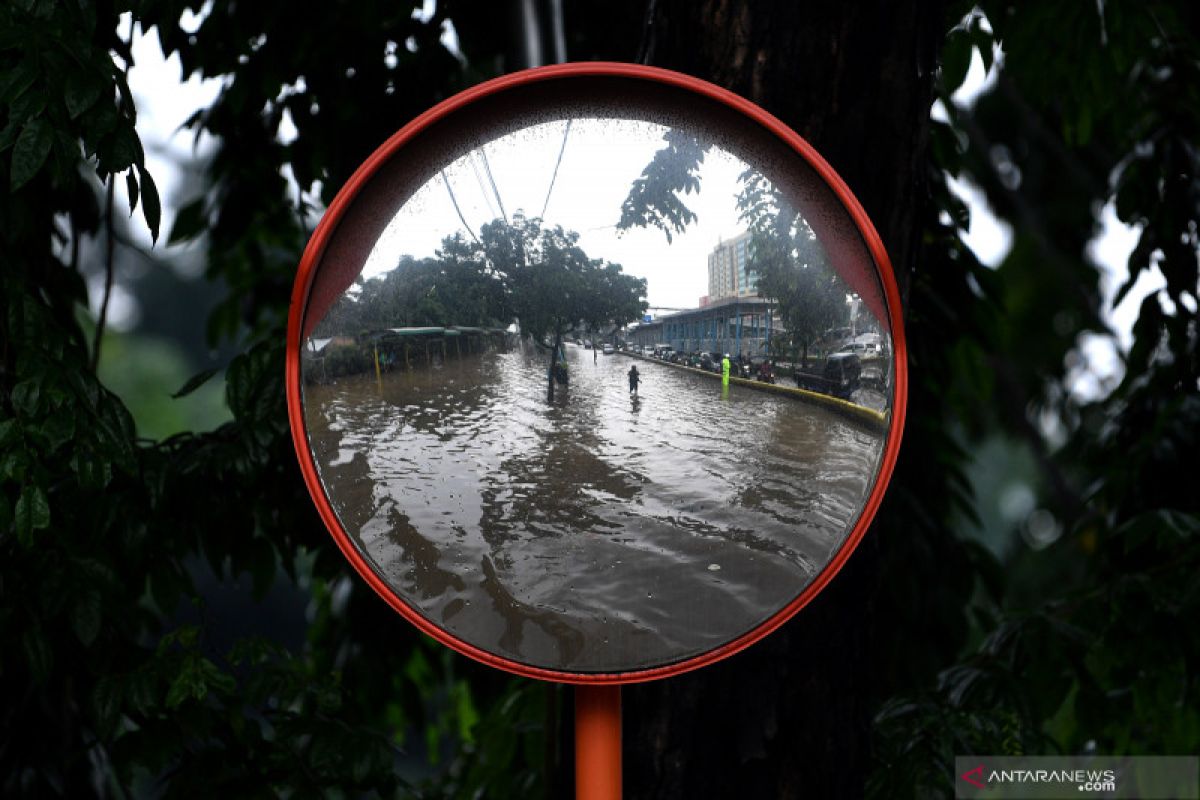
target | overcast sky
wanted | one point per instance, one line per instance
(600, 161)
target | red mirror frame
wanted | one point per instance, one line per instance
(337, 211)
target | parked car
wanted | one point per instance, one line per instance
(862, 349)
(609, 350)
(843, 370)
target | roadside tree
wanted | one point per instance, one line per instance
(554, 288)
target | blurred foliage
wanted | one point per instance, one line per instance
(139, 368)
(1084, 636)
(112, 679)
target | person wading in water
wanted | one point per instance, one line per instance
(634, 378)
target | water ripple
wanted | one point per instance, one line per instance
(595, 532)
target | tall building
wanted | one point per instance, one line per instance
(727, 272)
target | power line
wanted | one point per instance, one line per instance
(487, 198)
(454, 200)
(487, 168)
(554, 177)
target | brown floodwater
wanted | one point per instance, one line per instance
(597, 532)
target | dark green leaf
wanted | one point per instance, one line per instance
(14, 463)
(86, 388)
(29, 105)
(131, 189)
(54, 395)
(142, 689)
(32, 513)
(30, 152)
(182, 688)
(106, 701)
(26, 397)
(38, 654)
(9, 432)
(189, 222)
(8, 135)
(92, 470)
(195, 382)
(97, 572)
(465, 710)
(128, 107)
(86, 616)
(116, 431)
(184, 636)
(14, 82)
(196, 677)
(99, 121)
(956, 59)
(43, 9)
(58, 429)
(253, 384)
(985, 43)
(215, 679)
(363, 762)
(120, 150)
(151, 206)
(81, 92)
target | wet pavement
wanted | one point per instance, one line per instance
(598, 532)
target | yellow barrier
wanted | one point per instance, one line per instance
(877, 420)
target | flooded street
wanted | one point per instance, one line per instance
(596, 532)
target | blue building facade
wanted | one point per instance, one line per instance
(733, 325)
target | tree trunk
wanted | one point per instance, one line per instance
(790, 716)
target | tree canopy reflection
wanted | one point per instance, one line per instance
(515, 272)
(791, 266)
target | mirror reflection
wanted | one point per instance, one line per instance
(601, 398)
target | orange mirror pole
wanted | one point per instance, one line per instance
(597, 743)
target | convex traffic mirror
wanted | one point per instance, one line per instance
(596, 372)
